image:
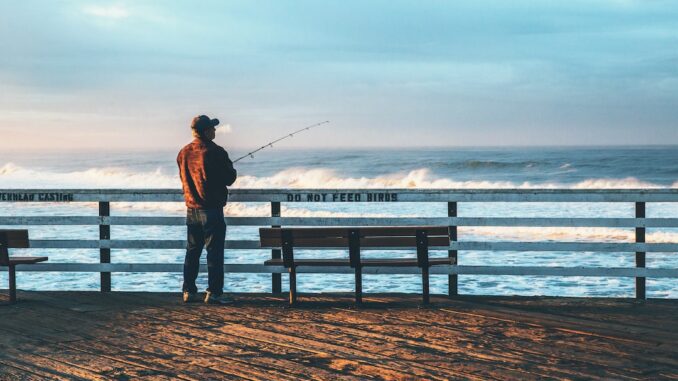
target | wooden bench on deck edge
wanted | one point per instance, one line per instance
(354, 238)
(15, 239)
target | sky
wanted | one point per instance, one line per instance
(131, 74)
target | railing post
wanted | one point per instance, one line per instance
(453, 279)
(640, 256)
(276, 278)
(105, 254)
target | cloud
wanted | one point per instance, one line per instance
(467, 72)
(107, 12)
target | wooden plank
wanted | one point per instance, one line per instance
(507, 270)
(365, 231)
(276, 233)
(140, 267)
(33, 368)
(401, 231)
(566, 246)
(351, 221)
(466, 195)
(12, 371)
(399, 262)
(65, 244)
(402, 262)
(34, 360)
(4, 250)
(276, 278)
(26, 260)
(459, 221)
(91, 195)
(565, 222)
(640, 255)
(453, 279)
(12, 283)
(49, 220)
(442, 269)
(403, 195)
(105, 253)
(132, 244)
(557, 271)
(15, 238)
(364, 242)
(398, 243)
(311, 262)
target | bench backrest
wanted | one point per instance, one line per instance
(11, 239)
(354, 238)
(382, 236)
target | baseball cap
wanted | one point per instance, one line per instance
(202, 122)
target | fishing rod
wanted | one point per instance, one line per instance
(270, 144)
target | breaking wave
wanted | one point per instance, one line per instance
(420, 178)
(13, 176)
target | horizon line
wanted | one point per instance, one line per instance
(360, 148)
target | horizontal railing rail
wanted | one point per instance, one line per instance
(630, 272)
(452, 197)
(464, 245)
(350, 195)
(354, 221)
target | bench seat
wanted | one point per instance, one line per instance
(403, 262)
(310, 262)
(26, 260)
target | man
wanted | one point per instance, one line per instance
(205, 171)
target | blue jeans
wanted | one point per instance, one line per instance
(206, 228)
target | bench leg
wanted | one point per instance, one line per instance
(293, 285)
(358, 284)
(424, 284)
(12, 284)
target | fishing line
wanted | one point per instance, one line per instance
(270, 144)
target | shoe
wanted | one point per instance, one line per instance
(218, 299)
(190, 297)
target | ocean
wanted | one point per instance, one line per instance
(515, 167)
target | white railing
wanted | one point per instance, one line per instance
(277, 196)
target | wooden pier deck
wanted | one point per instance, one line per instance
(133, 336)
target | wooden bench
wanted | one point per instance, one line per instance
(15, 239)
(353, 239)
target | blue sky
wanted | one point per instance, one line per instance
(130, 75)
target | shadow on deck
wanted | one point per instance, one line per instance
(130, 336)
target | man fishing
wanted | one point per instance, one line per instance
(205, 171)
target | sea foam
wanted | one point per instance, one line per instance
(13, 176)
